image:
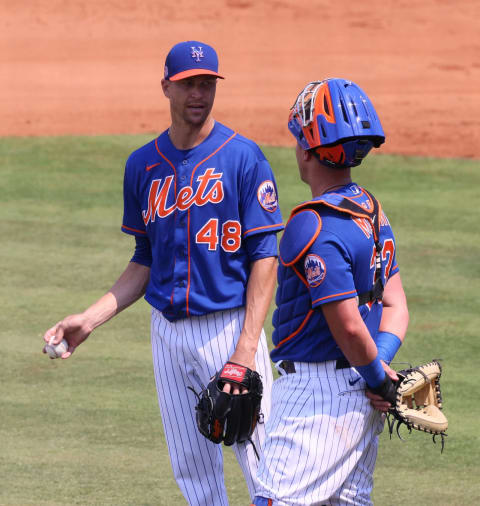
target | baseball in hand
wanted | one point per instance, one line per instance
(56, 351)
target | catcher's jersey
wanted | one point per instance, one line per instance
(326, 255)
(196, 207)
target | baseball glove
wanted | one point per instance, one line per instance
(229, 418)
(418, 402)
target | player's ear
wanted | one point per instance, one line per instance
(307, 155)
(165, 87)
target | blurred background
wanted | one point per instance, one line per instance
(95, 66)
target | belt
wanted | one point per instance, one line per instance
(289, 367)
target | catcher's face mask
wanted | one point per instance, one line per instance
(302, 114)
(335, 118)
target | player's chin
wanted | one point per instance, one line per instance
(196, 115)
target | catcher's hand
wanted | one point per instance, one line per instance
(418, 402)
(227, 418)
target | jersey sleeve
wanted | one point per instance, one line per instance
(132, 212)
(143, 251)
(259, 207)
(327, 268)
(261, 246)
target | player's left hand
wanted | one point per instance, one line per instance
(242, 359)
(227, 417)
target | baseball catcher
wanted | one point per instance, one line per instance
(228, 418)
(417, 401)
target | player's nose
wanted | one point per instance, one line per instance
(196, 92)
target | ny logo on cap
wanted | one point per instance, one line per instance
(197, 53)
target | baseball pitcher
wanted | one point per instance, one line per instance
(201, 202)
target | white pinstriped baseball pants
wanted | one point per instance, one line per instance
(322, 439)
(189, 352)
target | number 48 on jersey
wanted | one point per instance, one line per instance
(229, 236)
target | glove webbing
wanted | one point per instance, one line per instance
(391, 419)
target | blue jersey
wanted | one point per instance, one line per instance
(198, 207)
(327, 255)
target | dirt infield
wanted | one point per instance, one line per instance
(92, 67)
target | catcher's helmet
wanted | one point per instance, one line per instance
(337, 121)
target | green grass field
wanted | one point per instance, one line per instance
(88, 431)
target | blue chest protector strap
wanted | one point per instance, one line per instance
(373, 214)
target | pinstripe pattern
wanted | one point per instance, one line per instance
(322, 439)
(189, 352)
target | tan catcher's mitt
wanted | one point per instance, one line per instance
(419, 401)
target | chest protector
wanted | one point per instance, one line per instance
(305, 224)
(294, 307)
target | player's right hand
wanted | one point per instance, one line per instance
(378, 402)
(74, 329)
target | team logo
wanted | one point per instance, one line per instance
(267, 196)
(315, 270)
(355, 189)
(197, 53)
(165, 72)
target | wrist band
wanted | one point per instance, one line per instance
(373, 373)
(387, 345)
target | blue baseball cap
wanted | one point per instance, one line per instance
(191, 58)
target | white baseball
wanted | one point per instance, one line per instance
(56, 351)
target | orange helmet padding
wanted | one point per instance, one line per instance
(333, 154)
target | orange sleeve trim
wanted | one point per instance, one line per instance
(276, 225)
(293, 334)
(334, 295)
(134, 230)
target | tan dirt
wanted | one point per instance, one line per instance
(95, 66)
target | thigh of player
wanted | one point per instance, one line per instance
(318, 429)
